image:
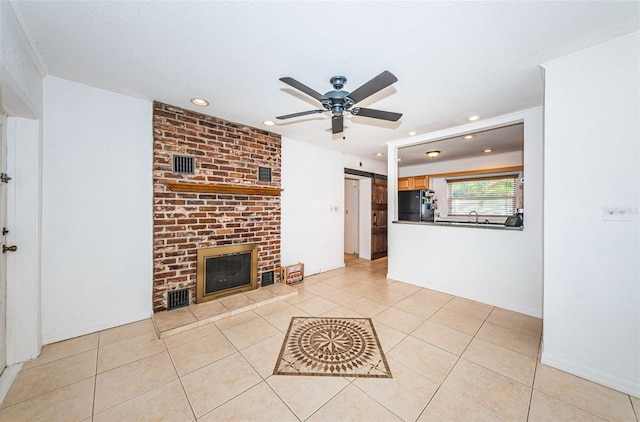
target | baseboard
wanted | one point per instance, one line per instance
(619, 384)
(6, 379)
(53, 337)
(332, 267)
(537, 313)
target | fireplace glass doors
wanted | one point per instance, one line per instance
(225, 270)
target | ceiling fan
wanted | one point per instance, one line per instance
(338, 101)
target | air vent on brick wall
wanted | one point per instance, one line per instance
(177, 298)
(264, 174)
(183, 164)
(267, 278)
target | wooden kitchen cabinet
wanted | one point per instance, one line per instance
(421, 182)
(405, 183)
(413, 183)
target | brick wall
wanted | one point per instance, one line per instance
(225, 153)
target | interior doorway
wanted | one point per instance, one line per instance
(365, 216)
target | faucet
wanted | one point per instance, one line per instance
(471, 212)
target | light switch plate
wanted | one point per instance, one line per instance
(616, 213)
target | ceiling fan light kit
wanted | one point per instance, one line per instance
(339, 101)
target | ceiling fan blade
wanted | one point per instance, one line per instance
(376, 114)
(302, 87)
(337, 124)
(376, 84)
(302, 113)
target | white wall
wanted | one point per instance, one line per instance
(592, 266)
(498, 267)
(97, 210)
(313, 183)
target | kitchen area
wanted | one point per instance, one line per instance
(475, 180)
(488, 263)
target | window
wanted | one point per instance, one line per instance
(488, 196)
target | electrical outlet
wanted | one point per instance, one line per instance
(616, 213)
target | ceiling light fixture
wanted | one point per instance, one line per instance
(379, 154)
(200, 102)
(399, 159)
(473, 118)
(488, 150)
(433, 154)
(468, 137)
(269, 123)
(413, 133)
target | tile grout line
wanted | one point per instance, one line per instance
(181, 383)
(329, 400)
(47, 391)
(411, 369)
(95, 379)
(604, 418)
(280, 398)
(454, 365)
(533, 383)
(636, 412)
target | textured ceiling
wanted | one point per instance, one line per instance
(452, 59)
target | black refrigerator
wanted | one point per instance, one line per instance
(414, 205)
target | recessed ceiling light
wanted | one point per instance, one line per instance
(413, 133)
(399, 159)
(379, 154)
(488, 150)
(200, 102)
(468, 137)
(269, 123)
(433, 154)
(473, 118)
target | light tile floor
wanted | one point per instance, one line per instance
(452, 360)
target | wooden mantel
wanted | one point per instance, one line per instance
(228, 189)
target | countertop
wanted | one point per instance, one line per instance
(461, 224)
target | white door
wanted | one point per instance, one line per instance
(351, 220)
(3, 237)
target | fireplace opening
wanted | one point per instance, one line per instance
(225, 270)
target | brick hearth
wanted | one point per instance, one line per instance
(227, 154)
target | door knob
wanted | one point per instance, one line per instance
(6, 248)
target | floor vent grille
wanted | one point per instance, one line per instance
(266, 279)
(177, 299)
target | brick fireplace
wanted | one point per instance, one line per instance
(210, 188)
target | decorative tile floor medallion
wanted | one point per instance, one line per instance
(332, 347)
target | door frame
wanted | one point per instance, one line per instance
(364, 215)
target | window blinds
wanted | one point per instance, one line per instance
(488, 196)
